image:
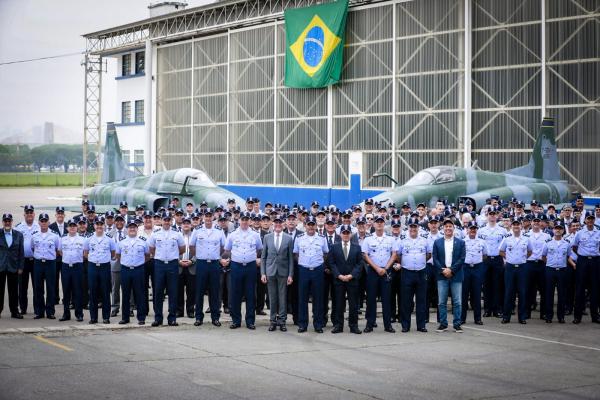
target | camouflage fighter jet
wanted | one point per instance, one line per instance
(118, 183)
(538, 180)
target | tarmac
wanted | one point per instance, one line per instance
(48, 359)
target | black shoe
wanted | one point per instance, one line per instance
(389, 329)
(141, 322)
(234, 326)
(337, 329)
(548, 321)
(156, 323)
(198, 323)
(522, 321)
(424, 330)
(51, 317)
(505, 321)
(497, 315)
(375, 325)
(577, 321)
(16, 316)
(251, 326)
(93, 321)
(63, 318)
(355, 330)
(319, 330)
(190, 315)
(173, 323)
(368, 329)
(106, 321)
(561, 321)
(458, 329)
(463, 322)
(442, 328)
(261, 312)
(123, 322)
(301, 330)
(283, 328)
(404, 330)
(272, 328)
(568, 312)
(479, 322)
(216, 323)
(596, 321)
(114, 313)
(487, 314)
(80, 319)
(179, 315)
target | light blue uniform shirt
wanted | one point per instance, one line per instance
(516, 249)
(27, 231)
(310, 250)
(475, 249)
(557, 252)
(99, 248)
(493, 237)
(538, 243)
(44, 245)
(414, 253)
(72, 249)
(167, 243)
(430, 239)
(587, 242)
(379, 248)
(208, 243)
(133, 251)
(243, 245)
(569, 238)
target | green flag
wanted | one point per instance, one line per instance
(314, 44)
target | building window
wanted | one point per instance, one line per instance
(125, 112)
(138, 159)
(126, 65)
(125, 156)
(139, 111)
(140, 62)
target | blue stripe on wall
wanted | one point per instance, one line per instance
(342, 198)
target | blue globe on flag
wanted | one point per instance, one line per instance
(312, 51)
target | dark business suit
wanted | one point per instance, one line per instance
(328, 291)
(340, 265)
(56, 228)
(293, 289)
(11, 261)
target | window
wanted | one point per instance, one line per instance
(139, 111)
(126, 65)
(125, 112)
(140, 62)
(125, 156)
(138, 159)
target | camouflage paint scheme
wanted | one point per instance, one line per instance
(538, 180)
(155, 191)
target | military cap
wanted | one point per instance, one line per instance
(369, 201)
(245, 215)
(28, 207)
(405, 205)
(559, 225)
(140, 207)
(71, 222)
(60, 209)
(166, 215)
(330, 221)
(85, 202)
(91, 208)
(179, 211)
(345, 229)
(81, 220)
(310, 220)
(230, 201)
(132, 222)
(472, 225)
(396, 222)
(378, 218)
(109, 214)
(123, 204)
(7, 217)
(278, 218)
(99, 220)
(448, 221)
(203, 204)
(148, 213)
(43, 216)
(590, 215)
(412, 222)
(250, 200)
(119, 217)
(361, 220)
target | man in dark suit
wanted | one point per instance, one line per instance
(448, 260)
(332, 238)
(277, 271)
(11, 265)
(290, 228)
(346, 262)
(59, 226)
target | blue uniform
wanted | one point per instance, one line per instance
(413, 253)
(536, 269)
(72, 248)
(587, 243)
(100, 250)
(166, 271)
(133, 252)
(310, 250)
(244, 245)
(474, 270)
(493, 281)
(208, 244)
(44, 246)
(557, 253)
(380, 249)
(515, 275)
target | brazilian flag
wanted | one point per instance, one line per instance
(314, 44)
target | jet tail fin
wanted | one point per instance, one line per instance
(114, 168)
(543, 163)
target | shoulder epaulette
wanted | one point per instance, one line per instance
(141, 237)
(300, 234)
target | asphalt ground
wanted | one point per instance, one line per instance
(47, 359)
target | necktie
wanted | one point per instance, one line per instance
(277, 243)
(330, 240)
(120, 236)
(345, 250)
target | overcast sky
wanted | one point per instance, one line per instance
(52, 90)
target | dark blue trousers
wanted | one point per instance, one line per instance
(165, 275)
(536, 282)
(555, 279)
(243, 283)
(587, 274)
(208, 276)
(471, 289)
(72, 285)
(414, 284)
(99, 285)
(310, 284)
(493, 286)
(383, 285)
(515, 282)
(44, 271)
(148, 282)
(133, 278)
